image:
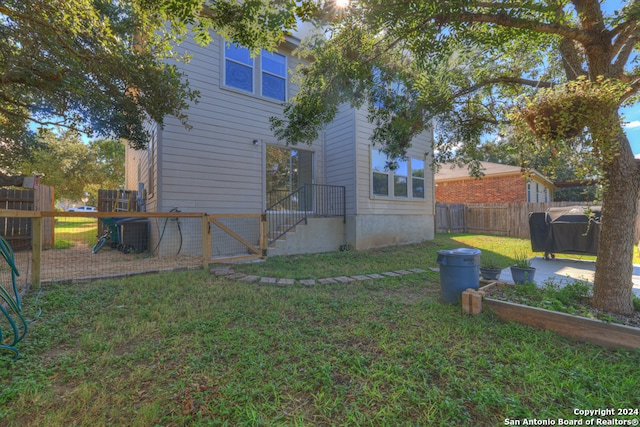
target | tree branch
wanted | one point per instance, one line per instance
(504, 20)
(40, 22)
(22, 78)
(634, 87)
(625, 50)
(502, 79)
(590, 15)
(621, 38)
(632, 20)
(571, 59)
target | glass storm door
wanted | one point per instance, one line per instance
(288, 170)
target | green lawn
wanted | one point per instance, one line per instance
(71, 231)
(190, 348)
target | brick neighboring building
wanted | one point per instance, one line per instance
(500, 184)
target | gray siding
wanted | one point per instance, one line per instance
(369, 204)
(341, 155)
(215, 167)
(140, 164)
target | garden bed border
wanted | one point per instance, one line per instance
(580, 328)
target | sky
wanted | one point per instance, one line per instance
(632, 127)
(631, 114)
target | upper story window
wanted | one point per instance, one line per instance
(238, 68)
(274, 75)
(267, 71)
(386, 91)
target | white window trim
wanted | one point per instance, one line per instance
(391, 181)
(256, 75)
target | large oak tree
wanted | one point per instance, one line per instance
(100, 66)
(465, 65)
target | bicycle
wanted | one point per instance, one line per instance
(102, 240)
(109, 234)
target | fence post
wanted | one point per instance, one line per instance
(36, 249)
(206, 241)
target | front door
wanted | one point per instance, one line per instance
(288, 170)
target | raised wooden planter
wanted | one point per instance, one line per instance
(579, 328)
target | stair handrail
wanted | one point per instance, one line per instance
(308, 199)
(284, 217)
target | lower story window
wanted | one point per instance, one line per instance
(406, 180)
(400, 174)
(380, 173)
(417, 178)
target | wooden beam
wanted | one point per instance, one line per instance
(236, 236)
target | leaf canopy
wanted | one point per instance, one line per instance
(100, 66)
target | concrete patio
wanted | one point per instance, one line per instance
(563, 270)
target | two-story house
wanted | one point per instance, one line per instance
(229, 162)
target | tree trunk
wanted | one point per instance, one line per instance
(614, 266)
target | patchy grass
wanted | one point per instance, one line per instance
(507, 247)
(71, 231)
(189, 348)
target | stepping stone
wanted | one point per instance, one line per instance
(221, 271)
(403, 272)
(236, 276)
(434, 268)
(343, 279)
(375, 276)
(390, 274)
(308, 282)
(417, 270)
(268, 281)
(326, 281)
(360, 277)
(285, 282)
(250, 279)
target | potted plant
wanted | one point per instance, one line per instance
(522, 271)
(490, 266)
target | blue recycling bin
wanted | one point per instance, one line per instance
(459, 270)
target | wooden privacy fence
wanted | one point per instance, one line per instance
(504, 219)
(450, 218)
(117, 201)
(17, 231)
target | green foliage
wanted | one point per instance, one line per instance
(491, 260)
(521, 260)
(101, 67)
(461, 67)
(572, 298)
(439, 62)
(557, 115)
(72, 167)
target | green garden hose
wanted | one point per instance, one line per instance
(13, 307)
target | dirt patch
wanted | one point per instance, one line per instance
(79, 264)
